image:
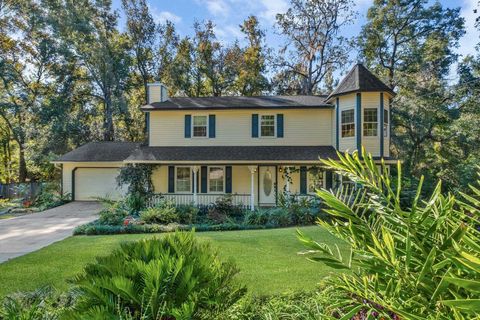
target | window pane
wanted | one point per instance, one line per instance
(200, 120)
(348, 123)
(315, 181)
(215, 179)
(199, 131)
(267, 126)
(200, 126)
(385, 123)
(370, 122)
(183, 179)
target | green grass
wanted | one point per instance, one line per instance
(268, 260)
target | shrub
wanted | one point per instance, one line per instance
(278, 217)
(291, 305)
(113, 213)
(223, 208)
(50, 196)
(420, 261)
(43, 303)
(135, 202)
(187, 214)
(163, 213)
(257, 217)
(173, 277)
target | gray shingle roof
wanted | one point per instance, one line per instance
(100, 151)
(233, 153)
(259, 102)
(360, 79)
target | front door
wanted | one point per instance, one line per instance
(268, 180)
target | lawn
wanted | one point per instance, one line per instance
(268, 259)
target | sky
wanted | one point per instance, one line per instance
(229, 14)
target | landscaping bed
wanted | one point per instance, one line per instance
(128, 216)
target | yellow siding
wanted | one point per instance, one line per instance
(233, 127)
(69, 166)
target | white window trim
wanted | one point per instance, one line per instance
(364, 122)
(355, 125)
(324, 182)
(260, 126)
(192, 126)
(176, 180)
(224, 179)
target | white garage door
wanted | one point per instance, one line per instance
(91, 183)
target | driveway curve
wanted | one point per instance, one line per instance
(21, 235)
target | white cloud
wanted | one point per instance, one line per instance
(216, 7)
(163, 16)
(271, 8)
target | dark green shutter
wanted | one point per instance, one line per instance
(329, 177)
(303, 180)
(204, 174)
(254, 125)
(211, 126)
(171, 179)
(279, 125)
(188, 126)
(228, 179)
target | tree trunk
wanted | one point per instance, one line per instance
(22, 165)
(108, 130)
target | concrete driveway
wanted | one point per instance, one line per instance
(21, 235)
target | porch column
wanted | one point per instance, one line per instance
(195, 187)
(252, 169)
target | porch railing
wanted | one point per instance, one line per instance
(242, 200)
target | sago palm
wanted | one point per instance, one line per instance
(173, 277)
(415, 262)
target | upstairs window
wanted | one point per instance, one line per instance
(184, 179)
(370, 122)
(216, 179)
(385, 123)
(348, 123)
(200, 126)
(267, 126)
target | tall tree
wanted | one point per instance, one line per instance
(142, 33)
(398, 33)
(26, 56)
(251, 79)
(314, 41)
(218, 63)
(89, 30)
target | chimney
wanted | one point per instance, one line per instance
(157, 92)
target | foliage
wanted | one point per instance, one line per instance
(224, 209)
(187, 214)
(170, 277)
(301, 305)
(113, 213)
(163, 213)
(138, 179)
(43, 303)
(315, 46)
(50, 196)
(418, 262)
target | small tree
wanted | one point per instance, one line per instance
(138, 178)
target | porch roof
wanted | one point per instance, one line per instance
(236, 154)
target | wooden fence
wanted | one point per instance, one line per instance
(26, 190)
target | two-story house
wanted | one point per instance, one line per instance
(250, 147)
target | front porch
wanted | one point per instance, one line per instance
(248, 186)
